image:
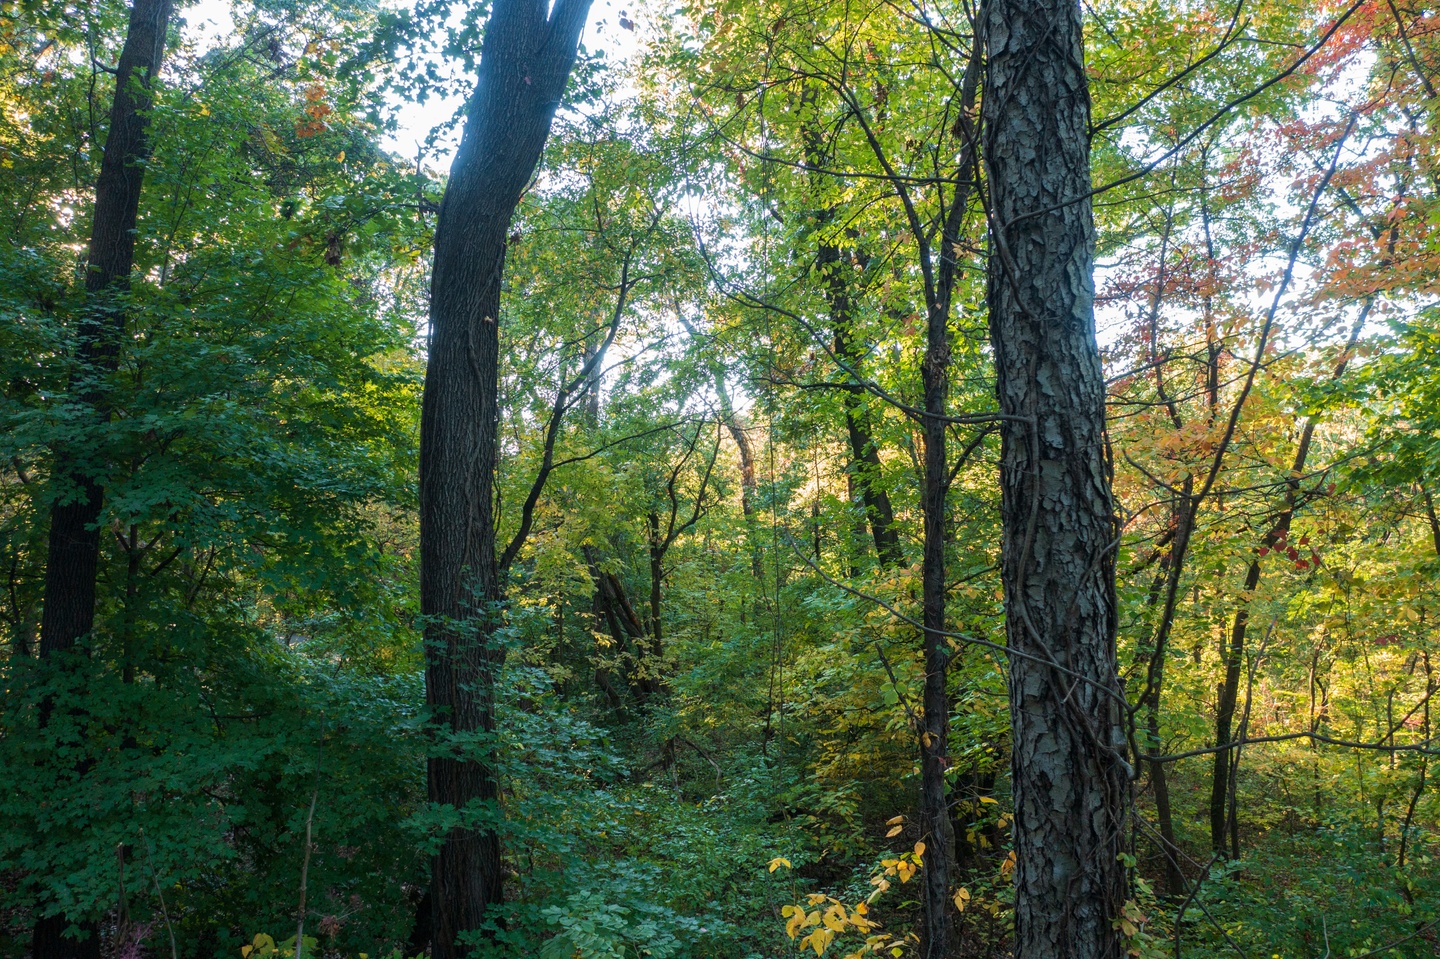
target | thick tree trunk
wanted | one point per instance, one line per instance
(73, 559)
(1071, 778)
(524, 64)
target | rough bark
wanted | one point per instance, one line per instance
(1071, 779)
(73, 555)
(525, 62)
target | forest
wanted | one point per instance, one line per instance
(719, 479)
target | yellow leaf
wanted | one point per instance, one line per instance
(919, 849)
(927, 739)
(779, 861)
(818, 940)
(962, 896)
(894, 819)
(340, 157)
(245, 951)
(862, 908)
(894, 831)
(987, 799)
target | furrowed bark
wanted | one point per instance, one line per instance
(524, 65)
(1071, 778)
(73, 555)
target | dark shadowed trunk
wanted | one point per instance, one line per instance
(834, 263)
(1183, 518)
(939, 271)
(935, 729)
(74, 548)
(525, 62)
(864, 452)
(73, 558)
(1071, 779)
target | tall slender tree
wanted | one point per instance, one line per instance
(525, 61)
(73, 554)
(1058, 553)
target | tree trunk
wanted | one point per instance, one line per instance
(1071, 779)
(1184, 511)
(864, 472)
(736, 426)
(74, 547)
(73, 559)
(1232, 655)
(864, 454)
(1223, 818)
(939, 285)
(524, 64)
(935, 730)
(653, 661)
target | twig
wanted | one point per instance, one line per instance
(305, 874)
(309, 846)
(174, 952)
